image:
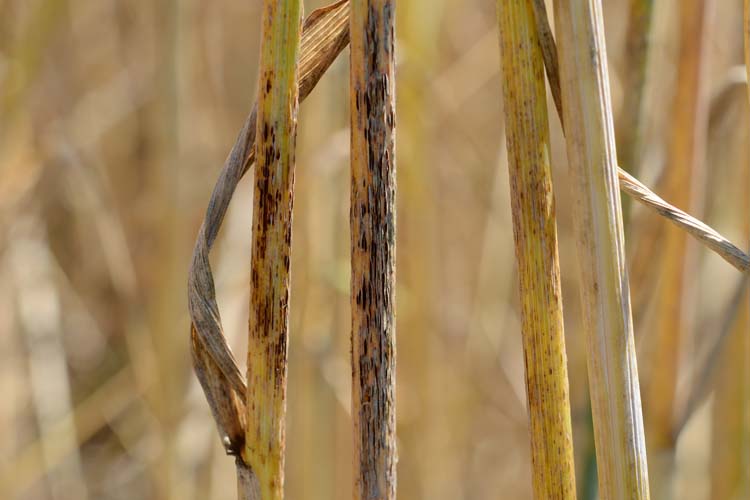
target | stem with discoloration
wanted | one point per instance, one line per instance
(535, 231)
(325, 33)
(373, 247)
(613, 375)
(271, 245)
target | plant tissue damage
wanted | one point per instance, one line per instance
(324, 35)
(373, 229)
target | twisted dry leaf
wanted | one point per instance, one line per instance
(325, 34)
(701, 231)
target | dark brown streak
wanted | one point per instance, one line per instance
(325, 34)
(372, 216)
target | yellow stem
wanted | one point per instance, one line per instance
(271, 245)
(535, 232)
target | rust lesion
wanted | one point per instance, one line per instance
(373, 248)
(272, 225)
(325, 34)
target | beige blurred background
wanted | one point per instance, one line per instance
(115, 119)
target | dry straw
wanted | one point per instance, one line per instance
(613, 376)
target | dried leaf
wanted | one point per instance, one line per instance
(325, 34)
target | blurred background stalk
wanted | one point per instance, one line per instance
(423, 415)
(683, 185)
(630, 122)
(170, 351)
(730, 436)
(630, 127)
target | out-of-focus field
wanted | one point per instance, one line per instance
(115, 119)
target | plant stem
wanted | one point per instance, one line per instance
(535, 232)
(683, 182)
(730, 431)
(373, 247)
(271, 245)
(630, 124)
(614, 386)
(636, 55)
(730, 454)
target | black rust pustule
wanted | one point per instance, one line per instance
(373, 234)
